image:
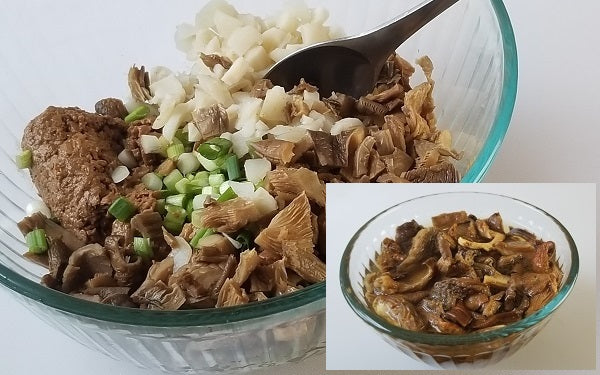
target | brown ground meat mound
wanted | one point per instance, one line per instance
(74, 153)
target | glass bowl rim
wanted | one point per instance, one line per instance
(381, 325)
(508, 97)
(308, 295)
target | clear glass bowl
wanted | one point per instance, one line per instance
(456, 351)
(67, 54)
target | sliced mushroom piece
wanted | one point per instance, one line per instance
(445, 221)
(53, 230)
(293, 223)
(213, 60)
(58, 258)
(398, 163)
(260, 88)
(303, 86)
(276, 151)
(249, 260)
(384, 142)
(232, 294)
(212, 249)
(398, 311)
(487, 246)
(405, 233)
(139, 84)
(362, 157)
(197, 281)
(129, 270)
(211, 121)
(394, 92)
(156, 295)
(111, 107)
(230, 216)
(449, 291)
(229, 268)
(334, 151)
(368, 107)
(390, 255)
(440, 173)
(84, 264)
(298, 257)
(492, 306)
(444, 245)
(459, 314)
(495, 223)
(389, 178)
(432, 311)
(376, 165)
(416, 279)
(395, 125)
(474, 302)
(421, 248)
(541, 258)
(295, 181)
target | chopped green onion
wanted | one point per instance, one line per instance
(232, 166)
(197, 218)
(202, 178)
(174, 219)
(245, 238)
(152, 181)
(227, 195)
(122, 209)
(224, 186)
(199, 234)
(198, 201)
(189, 208)
(143, 247)
(179, 200)
(182, 137)
(216, 179)
(36, 241)
(24, 159)
(173, 178)
(175, 150)
(210, 191)
(160, 206)
(215, 148)
(188, 163)
(137, 114)
(185, 186)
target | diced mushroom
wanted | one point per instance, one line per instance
(129, 270)
(293, 223)
(495, 223)
(432, 311)
(84, 264)
(420, 249)
(294, 181)
(395, 125)
(298, 256)
(445, 221)
(249, 260)
(390, 255)
(384, 142)
(231, 294)
(213, 60)
(398, 311)
(451, 290)
(441, 173)
(58, 258)
(260, 88)
(458, 314)
(398, 162)
(230, 216)
(362, 157)
(415, 279)
(139, 84)
(211, 121)
(541, 258)
(276, 151)
(444, 245)
(405, 233)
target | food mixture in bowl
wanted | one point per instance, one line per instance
(208, 188)
(461, 275)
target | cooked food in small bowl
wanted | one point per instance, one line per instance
(462, 288)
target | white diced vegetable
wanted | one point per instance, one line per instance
(198, 202)
(288, 21)
(151, 144)
(243, 190)
(274, 110)
(180, 115)
(310, 98)
(215, 88)
(210, 190)
(225, 24)
(194, 134)
(209, 165)
(126, 157)
(264, 201)
(260, 129)
(256, 169)
(345, 124)
(119, 174)
(152, 181)
(258, 58)
(213, 46)
(313, 33)
(181, 253)
(242, 39)
(288, 133)
(187, 163)
(275, 38)
(238, 70)
(249, 112)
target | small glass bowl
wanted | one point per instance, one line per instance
(456, 351)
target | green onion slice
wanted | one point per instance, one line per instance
(232, 166)
(36, 241)
(215, 148)
(143, 247)
(175, 150)
(122, 209)
(24, 159)
(137, 114)
(227, 195)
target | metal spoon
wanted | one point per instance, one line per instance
(352, 65)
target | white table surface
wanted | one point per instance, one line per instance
(553, 137)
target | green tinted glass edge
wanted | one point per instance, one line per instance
(436, 339)
(507, 101)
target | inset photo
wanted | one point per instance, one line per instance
(494, 276)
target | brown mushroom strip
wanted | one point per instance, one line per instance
(276, 151)
(420, 249)
(230, 216)
(231, 295)
(396, 91)
(405, 233)
(369, 107)
(398, 162)
(293, 223)
(260, 88)
(295, 181)
(58, 258)
(139, 84)
(248, 262)
(213, 60)
(432, 311)
(362, 157)
(211, 121)
(445, 221)
(416, 279)
(197, 281)
(376, 165)
(129, 270)
(395, 125)
(441, 173)
(390, 255)
(384, 142)
(303, 86)
(541, 258)
(458, 314)
(495, 223)
(398, 311)
(84, 264)
(298, 256)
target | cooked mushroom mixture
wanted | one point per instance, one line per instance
(207, 188)
(461, 275)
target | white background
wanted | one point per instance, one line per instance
(553, 137)
(567, 342)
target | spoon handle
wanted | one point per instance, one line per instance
(390, 36)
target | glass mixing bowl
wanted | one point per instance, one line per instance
(456, 351)
(67, 54)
